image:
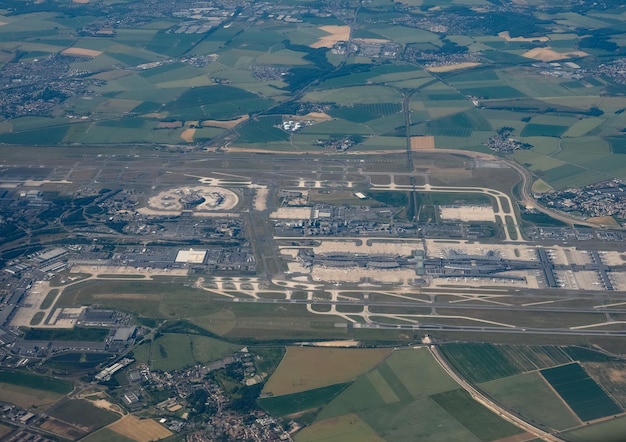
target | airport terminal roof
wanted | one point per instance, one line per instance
(191, 256)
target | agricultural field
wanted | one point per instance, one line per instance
(610, 376)
(611, 430)
(27, 397)
(106, 435)
(308, 400)
(551, 77)
(409, 397)
(485, 362)
(346, 428)
(307, 368)
(140, 430)
(82, 414)
(583, 395)
(4, 430)
(530, 396)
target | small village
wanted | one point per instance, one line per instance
(607, 198)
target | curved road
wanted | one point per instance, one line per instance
(497, 195)
(491, 405)
(528, 200)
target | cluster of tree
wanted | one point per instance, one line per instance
(199, 402)
(247, 397)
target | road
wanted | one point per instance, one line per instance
(529, 201)
(491, 405)
(502, 212)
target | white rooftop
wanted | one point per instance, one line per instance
(191, 256)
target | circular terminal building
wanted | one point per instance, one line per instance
(196, 199)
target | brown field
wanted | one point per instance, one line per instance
(101, 400)
(141, 430)
(4, 430)
(109, 406)
(2, 23)
(611, 376)
(337, 33)
(81, 52)
(507, 37)
(225, 124)
(426, 142)
(118, 105)
(170, 124)
(608, 221)
(318, 116)
(187, 134)
(346, 427)
(27, 397)
(452, 67)
(547, 54)
(517, 438)
(112, 75)
(305, 368)
(6, 56)
(371, 40)
(468, 213)
(63, 429)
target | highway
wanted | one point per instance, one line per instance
(529, 201)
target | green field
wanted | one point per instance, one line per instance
(458, 125)
(583, 127)
(297, 402)
(106, 435)
(75, 334)
(492, 92)
(37, 318)
(262, 130)
(340, 429)
(49, 299)
(543, 130)
(153, 299)
(485, 362)
(611, 431)
(385, 385)
(214, 102)
(361, 113)
(36, 382)
(581, 393)
(350, 96)
(530, 396)
(404, 398)
(77, 361)
(477, 419)
(82, 413)
(177, 351)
